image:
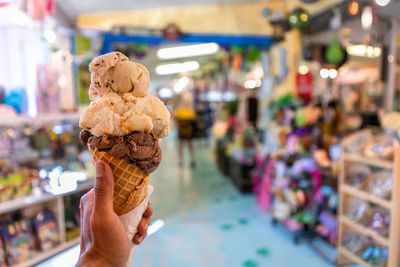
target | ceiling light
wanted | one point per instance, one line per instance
(177, 67)
(187, 51)
(181, 84)
(333, 73)
(165, 93)
(367, 18)
(293, 19)
(353, 8)
(382, 2)
(303, 69)
(304, 17)
(364, 51)
(214, 96)
(250, 84)
(324, 73)
(229, 96)
(50, 36)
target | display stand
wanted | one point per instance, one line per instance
(57, 206)
(345, 257)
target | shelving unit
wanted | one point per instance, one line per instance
(48, 118)
(58, 200)
(42, 256)
(346, 257)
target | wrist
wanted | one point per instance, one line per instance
(91, 259)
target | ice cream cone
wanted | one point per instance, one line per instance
(130, 182)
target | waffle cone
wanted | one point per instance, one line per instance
(130, 182)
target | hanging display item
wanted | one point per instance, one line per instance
(299, 18)
(334, 53)
(304, 85)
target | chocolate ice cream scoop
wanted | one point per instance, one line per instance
(139, 148)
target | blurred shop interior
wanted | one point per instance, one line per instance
(294, 107)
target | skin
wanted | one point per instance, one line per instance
(103, 239)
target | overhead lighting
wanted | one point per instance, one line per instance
(187, 51)
(214, 96)
(303, 69)
(367, 18)
(165, 93)
(325, 73)
(293, 19)
(353, 8)
(229, 96)
(304, 17)
(181, 84)
(177, 67)
(251, 84)
(333, 73)
(364, 51)
(50, 36)
(382, 2)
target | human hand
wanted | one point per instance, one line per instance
(103, 235)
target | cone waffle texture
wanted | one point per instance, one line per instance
(130, 182)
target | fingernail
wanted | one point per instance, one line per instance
(146, 226)
(140, 238)
(99, 169)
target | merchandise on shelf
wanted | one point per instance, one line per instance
(354, 143)
(354, 242)
(297, 183)
(3, 256)
(46, 230)
(374, 254)
(72, 216)
(380, 184)
(357, 209)
(358, 174)
(19, 241)
(17, 183)
(381, 146)
(379, 220)
(368, 191)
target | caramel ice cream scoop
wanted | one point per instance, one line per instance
(113, 72)
(128, 76)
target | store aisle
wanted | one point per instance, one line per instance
(208, 223)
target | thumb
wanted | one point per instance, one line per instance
(103, 188)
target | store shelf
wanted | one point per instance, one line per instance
(364, 230)
(42, 256)
(352, 257)
(366, 196)
(21, 120)
(19, 203)
(386, 164)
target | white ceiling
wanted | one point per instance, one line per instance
(73, 8)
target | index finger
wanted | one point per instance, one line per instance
(148, 212)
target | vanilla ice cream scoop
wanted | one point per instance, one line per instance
(114, 72)
(128, 76)
(118, 115)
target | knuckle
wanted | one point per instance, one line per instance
(84, 199)
(99, 189)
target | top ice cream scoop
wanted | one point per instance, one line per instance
(120, 103)
(113, 72)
